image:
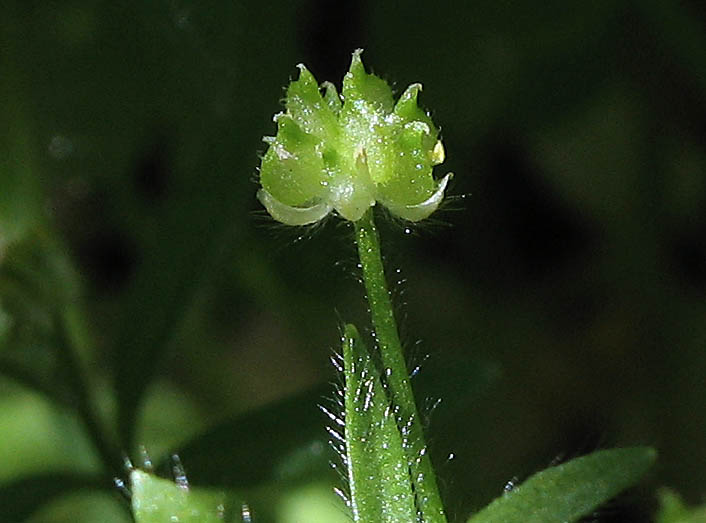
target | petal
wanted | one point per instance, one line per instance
(306, 105)
(292, 168)
(331, 98)
(367, 101)
(408, 108)
(359, 86)
(381, 150)
(411, 181)
(420, 211)
(353, 192)
(290, 215)
(353, 207)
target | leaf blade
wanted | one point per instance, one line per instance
(378, 471)
(249, 450)
(155, 500)
(20, 498)
(570, 490)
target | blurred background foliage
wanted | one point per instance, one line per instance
(561, 304)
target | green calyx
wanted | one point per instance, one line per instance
(348, 152)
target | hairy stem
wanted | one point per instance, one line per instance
(395, 373)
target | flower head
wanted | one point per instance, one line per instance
(348, 152)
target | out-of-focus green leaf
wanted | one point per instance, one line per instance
(281, 442)
(571, 490)
(156, 500)
(38, 436)
(32, 278)
(313, 503)
(674, 510)
(202, 221)
(47, 348)
(21, 497)
(168, 419)
(20, 194)
(676, 27)
(37, 284)
(85, 506)
(381, 488)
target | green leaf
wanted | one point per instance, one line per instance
(379, 479)
(201, 225)
(106, 506)
(571, 490)
(20, 191)
(156, 500)
(674, 510)
(36, 285)
(22, 497)
(284, 441)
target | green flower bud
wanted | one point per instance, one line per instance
(347, 152)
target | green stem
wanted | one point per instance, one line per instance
(396, 374)
(108, 452)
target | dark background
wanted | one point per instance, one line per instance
(559, 294)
